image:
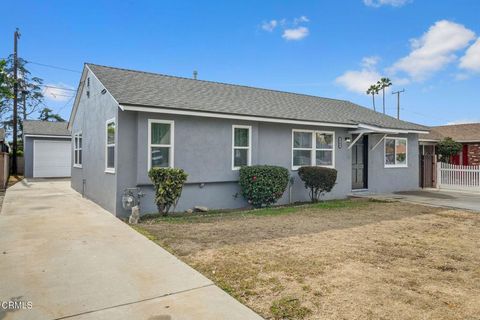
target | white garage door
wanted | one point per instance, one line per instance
(51, 158)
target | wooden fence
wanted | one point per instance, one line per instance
(458, 177)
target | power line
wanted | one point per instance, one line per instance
(53, 67)
(61, 108)
(56, 87)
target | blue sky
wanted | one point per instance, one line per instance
(325, 48)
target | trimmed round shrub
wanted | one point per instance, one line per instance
(263, 185)
(318, 179)
(168, 184)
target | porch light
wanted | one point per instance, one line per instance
(348, 139)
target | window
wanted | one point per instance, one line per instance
(241, 146)
(77, 150)
(160, 143)
(312, 148)
(395, 152)
(110, 146)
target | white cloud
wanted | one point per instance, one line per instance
(379, 3)
(370, 62)
(301, 19)
(434, 50)
(292, 30)
(295, 34)
(471, 59)
(269, 25)
(358, 81)
(54, 92)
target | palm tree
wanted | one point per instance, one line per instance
(382, 84)
(373, 90)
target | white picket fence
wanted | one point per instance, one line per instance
(457, 177)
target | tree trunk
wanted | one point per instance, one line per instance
(373, 98)
(383, 100)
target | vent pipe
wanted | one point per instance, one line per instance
(195, 74)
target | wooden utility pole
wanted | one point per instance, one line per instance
(398, 101)
(16, 36)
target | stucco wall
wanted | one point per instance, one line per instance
(381, 179)
(28, 153)
(203, 148)
(91, 117)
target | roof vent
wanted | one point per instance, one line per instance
(195, 74)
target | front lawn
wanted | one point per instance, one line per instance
(353, 259)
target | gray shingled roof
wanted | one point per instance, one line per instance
(130, 87)
(467, 132)
(38, 127)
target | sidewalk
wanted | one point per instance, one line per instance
(74, 260)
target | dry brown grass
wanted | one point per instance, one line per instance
(363, 261)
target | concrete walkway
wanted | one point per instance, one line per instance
(434, 197)
(73, 260)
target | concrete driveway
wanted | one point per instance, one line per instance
(438, 198)
(71, 259)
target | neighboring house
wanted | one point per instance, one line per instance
(124, 122)
(467, 134)
(4, 146)
(47, 149)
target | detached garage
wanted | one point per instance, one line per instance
(47, 149)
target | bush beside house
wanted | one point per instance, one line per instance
(263, 185)
(318, 179)
(168, 184)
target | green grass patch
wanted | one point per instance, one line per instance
(289, 308)
(213, 215)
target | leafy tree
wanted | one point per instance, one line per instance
(382, 84)
(448, 148)
(29, 86)
(373, 90)
(47, 115)
(5, 83)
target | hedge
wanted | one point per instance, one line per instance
(318, 179)
(263, 185)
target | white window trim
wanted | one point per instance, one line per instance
(249, 148)
(313, 149)
(75, 149)
(107, 169)
(171, 145)
(385, 151)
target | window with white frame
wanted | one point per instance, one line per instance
(313, 148)
(77, 150)
(241, 146)
(110, 146)
(395, 152)
(160, 143)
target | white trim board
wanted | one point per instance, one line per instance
(233, 116)
(126, 107)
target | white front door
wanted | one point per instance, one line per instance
(52, 158)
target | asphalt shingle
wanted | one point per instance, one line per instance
(468, 132)
(39, 127)
(130, 87)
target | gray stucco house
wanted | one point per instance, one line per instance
(47, 149)
(123, 122)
